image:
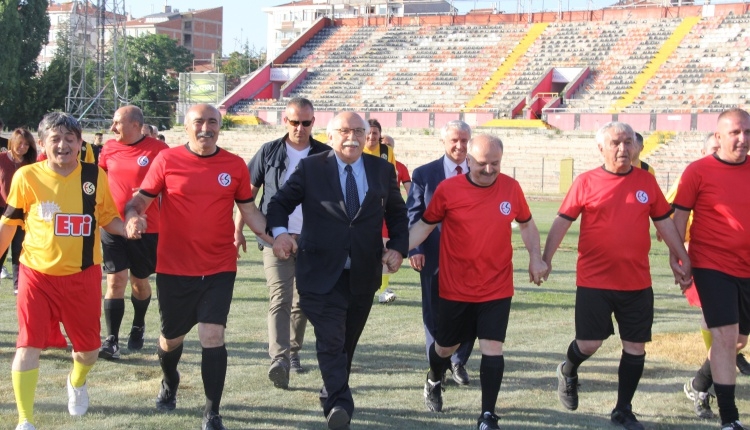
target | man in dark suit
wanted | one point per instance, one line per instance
(424, 259)
(345, 196)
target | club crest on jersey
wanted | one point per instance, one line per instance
(641, 196)
(225, 179)
(73, 225)
(89, 188)
(143, 160)
(505, 208)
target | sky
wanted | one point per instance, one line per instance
(244, 21)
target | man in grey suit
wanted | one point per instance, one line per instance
(345, 196)
(424, 259)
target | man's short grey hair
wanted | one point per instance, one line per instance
(493, 140)
(300, 103)
(616, 126)
(54, 120)
(457, 124)
(331, 127)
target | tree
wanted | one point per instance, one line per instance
(154, 62)
(241, 64)
(10, 56)
(29, 36)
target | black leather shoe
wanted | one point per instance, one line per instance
(742, 364)
(338, 419)
(460, 375)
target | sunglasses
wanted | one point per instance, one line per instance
(297, 123)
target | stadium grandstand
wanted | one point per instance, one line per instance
(666, 70)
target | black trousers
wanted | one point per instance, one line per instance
(430, 304)
(338, 317)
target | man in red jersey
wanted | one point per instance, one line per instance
(717, 189)
(615, 202)
(126, 159)
(196, 258)
(477, 305)
(402, 172)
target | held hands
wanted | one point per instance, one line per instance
(135, 227)
(284, 246)
(392, 259)
(538, 270)
(416, 262)
(682, 271)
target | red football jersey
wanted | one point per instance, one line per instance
(476, 255)
(402, 173)
(615, 239)
(718, 193)
(197, 200)
(126, 166)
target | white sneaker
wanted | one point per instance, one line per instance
(4, 273)
(25, 425)
(78, 399)
(387, 296)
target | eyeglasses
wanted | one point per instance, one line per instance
(295, 123)
(359, 132)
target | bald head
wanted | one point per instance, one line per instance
(346, 132)
(127, 123)
(388, 140)
(485, 152)
(202, 124)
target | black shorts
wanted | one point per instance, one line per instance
(185, 301)
(634, 312)
(137, 255)
(460, 322)
(725, 299)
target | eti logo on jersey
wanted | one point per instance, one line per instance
(225, 179)
(143, 161)
(641, 196)
(73, 225)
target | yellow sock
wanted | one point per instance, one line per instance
(384, 283)
(24, 387)
(79, 373)
(707, 339)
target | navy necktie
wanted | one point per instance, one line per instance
(352, 196)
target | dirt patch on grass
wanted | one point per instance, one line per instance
(684, 348)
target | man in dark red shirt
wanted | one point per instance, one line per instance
(476, 211)
(126, 159)
(615, 202)
(199, 184)
(717, 189)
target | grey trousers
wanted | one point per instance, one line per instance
(286, 321)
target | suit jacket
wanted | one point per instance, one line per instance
(328, 236)
(424, 181)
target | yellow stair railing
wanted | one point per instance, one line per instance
(652, 142)
(661, 57)
(497, 76)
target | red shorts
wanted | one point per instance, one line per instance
(44, 301)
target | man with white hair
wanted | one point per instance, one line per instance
(615, 202)
(345, 197)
